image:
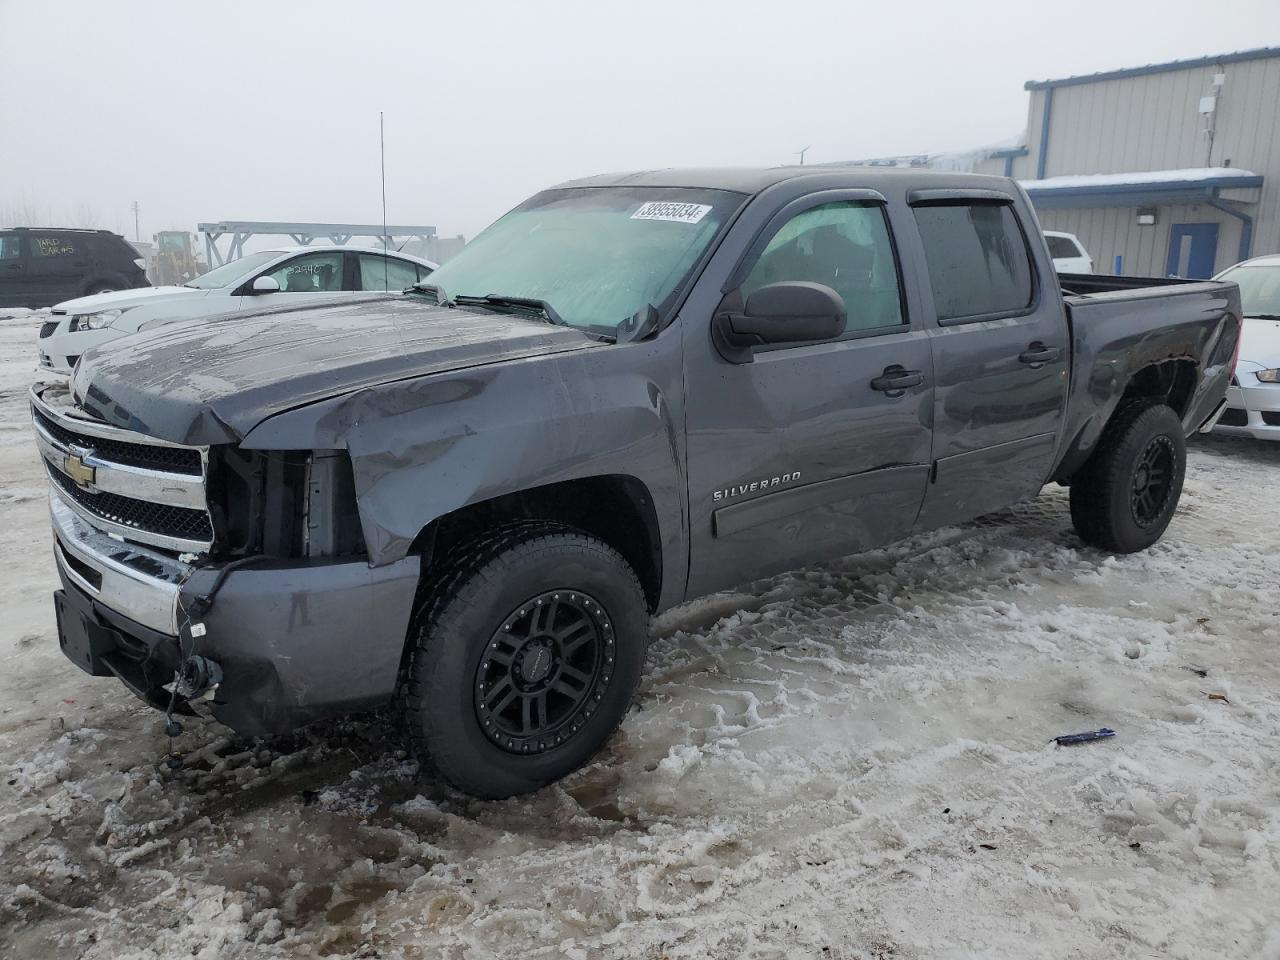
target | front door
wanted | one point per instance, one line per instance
(1000, 357)
(322, 275)
(808, 451)
(13, 278)
(1193, 250)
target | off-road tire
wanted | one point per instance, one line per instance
(1104, 492)
(480, 591)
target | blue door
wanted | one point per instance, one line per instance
(1193, 248)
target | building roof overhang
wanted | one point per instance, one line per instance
(1145, 188)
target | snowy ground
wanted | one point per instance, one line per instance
(847, 762)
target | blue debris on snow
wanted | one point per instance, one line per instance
(1073, 738)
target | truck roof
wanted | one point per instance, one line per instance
(752, 180)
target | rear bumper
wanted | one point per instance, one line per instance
(295, 643)
(1251, 412)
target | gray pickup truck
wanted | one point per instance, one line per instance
(629, 391)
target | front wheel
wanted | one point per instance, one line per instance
(1123, 499)
(524, 660)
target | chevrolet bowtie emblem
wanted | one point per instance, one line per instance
(73, 466)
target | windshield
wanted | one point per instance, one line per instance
(596, 255)
(1259, 289)
(229, 273)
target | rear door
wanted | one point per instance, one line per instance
(808, 451)
(1000, 353)
(57, 266)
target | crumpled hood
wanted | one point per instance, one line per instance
(213, 380)
(122, 299)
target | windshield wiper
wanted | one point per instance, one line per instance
(515, 303)
(1262, 316)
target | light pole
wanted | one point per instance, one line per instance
(135, 208)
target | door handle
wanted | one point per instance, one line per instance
(896, 379)
(1037, 355)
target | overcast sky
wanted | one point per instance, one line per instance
(268, 110)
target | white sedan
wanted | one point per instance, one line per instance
(1253, 399)
(285, 275)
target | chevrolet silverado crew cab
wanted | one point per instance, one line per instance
(632, 390)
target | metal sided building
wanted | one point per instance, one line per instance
(1168, 169)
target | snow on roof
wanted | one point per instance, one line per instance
(1145, 178)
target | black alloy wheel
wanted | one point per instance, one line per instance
(1152, 481)
(545, 671)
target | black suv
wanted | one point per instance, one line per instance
(40, 266)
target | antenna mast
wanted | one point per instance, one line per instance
(382, 151)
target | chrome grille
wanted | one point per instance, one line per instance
(176, 459)
(178, 523)
(124, 483)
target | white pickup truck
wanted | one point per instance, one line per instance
(270, 277)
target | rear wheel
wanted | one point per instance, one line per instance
(1125, 496)
(103, 285)
(524, 659)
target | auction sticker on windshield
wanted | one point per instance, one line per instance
(676, 212)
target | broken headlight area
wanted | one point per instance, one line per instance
(285, 504)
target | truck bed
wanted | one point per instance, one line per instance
(1086, 284)
(1185, 328)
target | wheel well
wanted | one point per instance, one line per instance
(615, 507)
(101, 276)
(1172, 382)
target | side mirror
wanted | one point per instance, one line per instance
(792, 311)
(265, 285)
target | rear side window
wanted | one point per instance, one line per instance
(1060, 247)
(9, 246)
(386, 273)
(977, 258)
(50, 247)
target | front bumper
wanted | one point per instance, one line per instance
(295, 642)
(1252, 411)
(61, 347)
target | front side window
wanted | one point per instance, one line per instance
(597, 255)
(977, 259)
(53, 247)
(844, 245)
(8, 246)
(387, 273)
(313, 273)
